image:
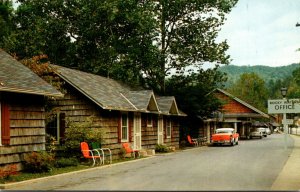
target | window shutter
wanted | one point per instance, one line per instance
(119, 127)
(62, 125)
(5, 124)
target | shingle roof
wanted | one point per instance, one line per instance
(111, 94)
(105, 92)
(15, 77)
(168, 106)
(143, 100)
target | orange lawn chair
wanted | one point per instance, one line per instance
(128, 149)
(90, 154)
(192, 141)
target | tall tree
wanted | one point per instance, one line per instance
(106, 37)
(192, 92)
(6, 22)
(251, 88)
(187, 35)
(135, 40)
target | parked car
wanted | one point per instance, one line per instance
(263, 130)
(268, 130)
(225, 136)
(256, 132)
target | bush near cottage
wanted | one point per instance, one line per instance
(78, 132)
(160, 148)
(38, 162)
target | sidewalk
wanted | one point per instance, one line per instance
(289, 178)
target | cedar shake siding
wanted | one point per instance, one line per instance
(26, 130)
(77, 108)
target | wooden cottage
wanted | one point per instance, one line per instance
(22, 116)
(124, 114)
(234, 113)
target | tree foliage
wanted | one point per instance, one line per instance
(192, 92)
(251, 89)
(134, 40)
(6, 23)
(187, 34)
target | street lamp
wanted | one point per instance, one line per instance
(283, 93)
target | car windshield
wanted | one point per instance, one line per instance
(223, 131)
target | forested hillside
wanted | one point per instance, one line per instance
(265, 72)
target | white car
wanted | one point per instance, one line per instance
(255, 132)
(263, 130)
(268, 130)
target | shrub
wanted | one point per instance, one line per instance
(160, 148)
(38, 162)
(66, 162)
(6, 173)
(81, 131)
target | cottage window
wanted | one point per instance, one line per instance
(149, 120)
(168, 127)
(56, 126)
(124, 129)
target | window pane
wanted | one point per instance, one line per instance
(124, 127)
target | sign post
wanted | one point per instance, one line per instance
(284, 106)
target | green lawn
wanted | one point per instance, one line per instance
(22, 176)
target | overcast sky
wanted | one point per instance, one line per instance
(263, 32)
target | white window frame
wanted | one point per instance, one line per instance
(168, 128)
(149, 120)
(126, 126)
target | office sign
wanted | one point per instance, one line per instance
(278, 106)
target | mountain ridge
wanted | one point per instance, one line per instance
(267, 73)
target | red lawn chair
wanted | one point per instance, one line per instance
(128, 149)
(192, 141)
(90, 154)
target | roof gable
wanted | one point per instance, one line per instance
(167, 105)
(143, 100)
(236, 105)
(15, 77)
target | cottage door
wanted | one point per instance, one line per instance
(160, 130)
(137, 131)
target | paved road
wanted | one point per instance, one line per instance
(252, 165)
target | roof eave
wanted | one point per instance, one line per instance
(14, 90)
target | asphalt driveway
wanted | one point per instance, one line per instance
(252, 165)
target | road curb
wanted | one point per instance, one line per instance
(20, 183)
